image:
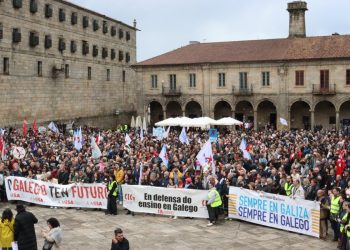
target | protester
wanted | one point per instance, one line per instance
(119, 242)
(278, 162)
(214, 202)
(53, 237)
(24, 231)
(6, 229)
(112, 188)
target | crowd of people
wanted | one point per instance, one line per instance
(304, 164)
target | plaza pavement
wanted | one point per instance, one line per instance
(93, 230)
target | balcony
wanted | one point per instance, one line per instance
(242, 91)
(317, 89)
(170, 92)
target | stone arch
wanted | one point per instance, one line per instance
(173, 109)
(292, 102)
(344, 112)
(325, 114)
(222, 109)
(193, 109)
(267, 114)
(156, 111)
(244, 111)
(300, 115)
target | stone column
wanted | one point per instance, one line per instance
(164, 114)
(337, 120)
(255, 120)
(312, 112)
(183, 113)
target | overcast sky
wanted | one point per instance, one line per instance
(169, 24)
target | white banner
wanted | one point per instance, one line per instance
(165, 201)
(296, 215)
(49, 194)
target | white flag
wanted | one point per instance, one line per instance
(53, 127)
(163, 155)
(127, 139)
(141, 134)
(283, 121)
(96, 152)
(183, 137)
(205, 155)
(166, 133)
(243, 147)
(78, 139)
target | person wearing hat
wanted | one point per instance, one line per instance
(24, 231)
(189, 184)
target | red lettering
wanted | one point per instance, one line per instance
(100, 193)
(43, 190)
(87, 192)
(93, 192)
(73, 191)
(80, 192)
(21, 186)
(15, 184)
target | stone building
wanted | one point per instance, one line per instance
(59, 61)
(305, 80)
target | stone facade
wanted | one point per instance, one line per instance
(304, 106)
(294, 79)
(68, 82)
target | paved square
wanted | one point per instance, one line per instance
(93, 230)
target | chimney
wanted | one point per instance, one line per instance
(135, 23)
(296, 11)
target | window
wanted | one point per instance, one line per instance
(95, 25)
(172, 81)
(221, 79)
(85, 49)
(243, 80)
(154, 81)
(124, 76)
(48, 10)
(105, 27)
(113, 31)
(266, 78)
(61, 45)
(121, 56)
(121, 33)
(104, 53)
(73, 46)
(1, 31)
(66, 70)
(61, 15)
(113, 54)
(108, 74)
(299, 78)
(48, 42)
(94, 50)
(33, 7)
(17, 4)
(192, 80)
(6, 66)
(127, 57)
(16, 35)
(85, 22)
(324, 79)
(348, 77)
(127, 34)
(74, 18)
(33, 39)
(89, 73)
(40, 68)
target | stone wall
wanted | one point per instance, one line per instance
(67, 94)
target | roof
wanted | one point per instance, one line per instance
(94, 13)
(286, 49)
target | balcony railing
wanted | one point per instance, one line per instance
(317, 89)
(170, 92)
(242, 91)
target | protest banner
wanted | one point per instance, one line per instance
(165, 201)
(50, 194)
(213, 135)
(283, 212)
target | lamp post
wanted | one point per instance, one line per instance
(149, 113)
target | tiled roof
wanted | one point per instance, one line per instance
(287, 49)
